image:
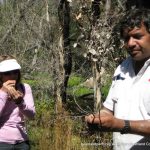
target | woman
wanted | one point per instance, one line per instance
(16, 102)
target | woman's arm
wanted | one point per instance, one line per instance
(3, 99)
(27, 104)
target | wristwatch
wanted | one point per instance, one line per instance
(126, 128)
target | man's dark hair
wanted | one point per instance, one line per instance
(129, 19)
(134, 18)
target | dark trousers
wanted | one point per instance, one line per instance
(18, 146)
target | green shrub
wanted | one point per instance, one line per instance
(74, 81)
(32, 83)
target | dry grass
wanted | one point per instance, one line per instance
(64, 133)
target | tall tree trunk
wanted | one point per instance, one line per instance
(97, 94)
(64, 19)
(107, 8)
(47, 13)
(58, 75)
(96, 84)
(95, 11)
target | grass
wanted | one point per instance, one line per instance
(62, 132)
(50, 131)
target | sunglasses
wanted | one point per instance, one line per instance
(8, 73)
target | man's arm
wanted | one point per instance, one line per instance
(108, 122)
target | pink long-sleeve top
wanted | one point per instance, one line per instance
(12, 125)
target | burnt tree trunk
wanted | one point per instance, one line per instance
(95, 10)
(64, 19)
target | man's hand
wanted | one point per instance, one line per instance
(104, 119)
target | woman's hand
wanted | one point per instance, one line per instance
(9, 87)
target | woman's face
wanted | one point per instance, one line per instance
(10, 75)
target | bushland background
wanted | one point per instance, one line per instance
(68, 50)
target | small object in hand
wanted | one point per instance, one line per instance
(19, 101)
(93, 127)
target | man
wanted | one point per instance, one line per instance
(126, 110)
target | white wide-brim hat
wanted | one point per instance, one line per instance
(9, 65)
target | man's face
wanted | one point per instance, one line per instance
(137, 42)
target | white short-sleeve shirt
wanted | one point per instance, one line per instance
(129, 99)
